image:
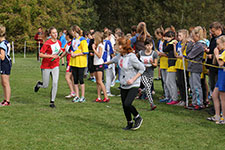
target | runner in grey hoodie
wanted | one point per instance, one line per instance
(131, 70)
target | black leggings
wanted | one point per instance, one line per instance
(78, 75)
(181, 84)
(127, 97)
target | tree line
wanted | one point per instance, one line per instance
(23, 17)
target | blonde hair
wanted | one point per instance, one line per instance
(2, 31)
(198, 31)
(142, 30)
(98, 37)
(222, 38)
(185, 32)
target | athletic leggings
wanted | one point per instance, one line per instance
(55, 77)
(78, 75)
(181, 84)
(147, 80)
(127, 97)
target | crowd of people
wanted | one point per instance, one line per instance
(184, 58)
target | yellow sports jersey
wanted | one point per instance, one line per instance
(222, 56)
(179, 62)
(79, 45)
(204, 71)
(172, 69)
(163, 62)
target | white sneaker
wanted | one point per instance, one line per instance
(82, 99)
(109, 94)
(70, 95)
(181, 103)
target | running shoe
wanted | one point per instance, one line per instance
(164, 100)
(221, 121)
(110, 94)
(93, 80)
(153, 107)
(4, 103)
(137, 124)
(76, 99)
(82, 99)
(99, 100)
(129, 126)
(172, 103)
(213, 118)
(70, 95)
(181, 103)
(197, 107)
(106, 100)
(36, 88)
(52, 105)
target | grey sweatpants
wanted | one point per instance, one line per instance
(172, 85)
(55, 77)
(195, 83)
(110, 75)
(164, 77)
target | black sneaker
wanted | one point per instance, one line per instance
(36, 88)
(138, 122)
(129, 126)
(52, 105)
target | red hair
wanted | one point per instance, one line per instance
(126, 45)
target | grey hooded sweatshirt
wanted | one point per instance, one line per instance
(129, 67)
(195, 52)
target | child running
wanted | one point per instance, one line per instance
(50, 64)
(6, 65)
(149, 58)
(99, 66)
(131, 70)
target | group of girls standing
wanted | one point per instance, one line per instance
(137, 58)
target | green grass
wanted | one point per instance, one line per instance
(30, 124)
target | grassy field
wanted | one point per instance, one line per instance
(30, 124)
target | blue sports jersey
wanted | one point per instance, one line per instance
(108, 51)
(6, 63)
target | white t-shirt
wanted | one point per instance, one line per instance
(97, 60)
(112, 40)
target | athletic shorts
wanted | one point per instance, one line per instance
(6, 68)
(99, 68)
(220, 84)
(68, 68)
